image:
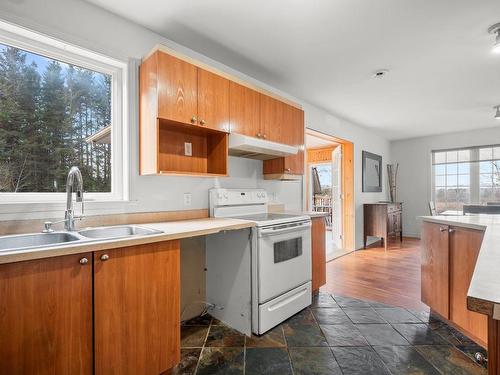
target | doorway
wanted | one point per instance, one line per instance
(329, 186)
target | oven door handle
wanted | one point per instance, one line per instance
(294, 228)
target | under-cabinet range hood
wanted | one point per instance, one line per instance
(256, 148)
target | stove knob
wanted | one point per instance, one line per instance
(225, 195)
(219, 195)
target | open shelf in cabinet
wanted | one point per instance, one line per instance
(209, 150)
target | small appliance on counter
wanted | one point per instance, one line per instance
(280, 255)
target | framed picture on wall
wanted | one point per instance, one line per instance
(372, 172)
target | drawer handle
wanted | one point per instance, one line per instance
(104, 257)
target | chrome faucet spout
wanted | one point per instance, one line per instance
(74, 182)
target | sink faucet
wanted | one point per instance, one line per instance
(74, 182)
(74, 175)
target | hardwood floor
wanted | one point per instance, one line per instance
(391, 276)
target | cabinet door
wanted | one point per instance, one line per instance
(294, 126)
(137, 309)
(46, 316)
(177, 89)
(318, 241)
(271, 118)
(435, 267)
(244, 110)
(464, 250)
(213, 101)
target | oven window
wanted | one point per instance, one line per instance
(288, 249)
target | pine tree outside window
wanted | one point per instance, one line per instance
(54, 104)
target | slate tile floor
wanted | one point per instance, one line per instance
(336, 335)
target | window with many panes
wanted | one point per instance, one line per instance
(468, 175)
(57, 109)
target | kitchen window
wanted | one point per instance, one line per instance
(465, 176)
(59, 106)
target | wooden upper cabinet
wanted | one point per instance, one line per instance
(46, 316)
(177, 89)
(294, 125)
(213, 101)
(292, 133)
(244, 110)
(271, 118)
(435, 268)
(464, 249)
(137, 309)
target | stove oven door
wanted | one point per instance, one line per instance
(284, 258)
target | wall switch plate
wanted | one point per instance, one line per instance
(187, 199)
(188, 149)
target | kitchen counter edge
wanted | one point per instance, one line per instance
(172, 230)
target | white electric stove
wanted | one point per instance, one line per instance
(281, 255)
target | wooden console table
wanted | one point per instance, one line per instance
(382, 220)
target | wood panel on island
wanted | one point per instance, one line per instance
(449, 256)
(106, 312)
(187, 111)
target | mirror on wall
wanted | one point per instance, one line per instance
(372, 172)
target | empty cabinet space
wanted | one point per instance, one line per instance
(208, 151)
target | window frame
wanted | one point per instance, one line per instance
(474, 171)
(49, 47)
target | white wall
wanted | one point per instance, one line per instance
(414, 176)
(88, 26)
(364, 140)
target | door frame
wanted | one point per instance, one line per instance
(348, 207)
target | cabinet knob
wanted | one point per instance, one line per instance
(83, 261)
(287, 169)
(265, 136)
(259, 135)
(451, 230)
(441, 229)
(202, 122)
(104, 257)
(193, 119)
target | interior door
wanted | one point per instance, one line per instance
(337, 197)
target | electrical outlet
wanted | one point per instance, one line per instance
(188, 149)
(187, 199)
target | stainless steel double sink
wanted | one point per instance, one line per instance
(59, 238)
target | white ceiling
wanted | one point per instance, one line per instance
(443, 76)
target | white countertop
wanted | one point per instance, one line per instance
(485, 283)
(172, 230)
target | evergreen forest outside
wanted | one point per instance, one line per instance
(47, 111)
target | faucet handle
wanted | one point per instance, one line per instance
(47, 227)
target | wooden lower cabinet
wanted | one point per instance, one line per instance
(46, 316)
(49, 320)
(318, 248)
(449, 256)
(435, 265)
(464, 250)
(137, 309)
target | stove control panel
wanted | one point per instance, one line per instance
(237, 197)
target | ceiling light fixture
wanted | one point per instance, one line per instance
(495, 29)
(497, 114)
